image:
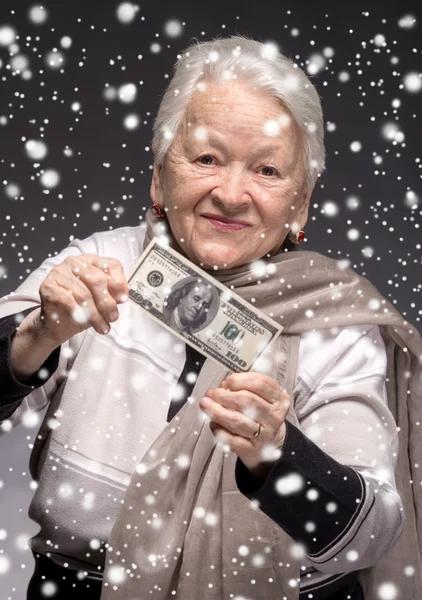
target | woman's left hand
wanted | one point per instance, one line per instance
(235, 408)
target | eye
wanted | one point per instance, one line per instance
(269, 171)
(206, 159)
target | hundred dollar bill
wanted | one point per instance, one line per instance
(198, 309)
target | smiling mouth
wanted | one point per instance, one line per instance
(224, 223)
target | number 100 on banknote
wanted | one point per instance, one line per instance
(198, 309)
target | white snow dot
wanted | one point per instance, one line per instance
(312, 494)
(54, 60)
(297, 551)
(374, 304)
(211, 519)
(12, 190)
(352, 555)
(258, 268)
(126, 12)
(80, 315)
(409, 570)
(407, 21)
(243, 550)
(4, 564)
(411, 199)
(65, 491)
(30, 418)
(127, 93)
(368, 251)
(53, 424)
(391, 132)
(116, 574)
(155, 48)
(19, 62)
(199, 512)
(22, 541)
(200, 133)
(331, 507)
(95, 544)
(289, 484)
(66, 42)
(387, 591)
(6, 426)
(270, 50)
(343, 76)
(7, 35)
(38, 14)
(316, 63)
(258, 560)
(173, 28)
(183, 461)
(49, 589)
(131, 122)
(110, 93)
(379, 40)
(352, 202)
(353, 234)
(50, 178)
(412, 82)
(330, 208)
(36, 149)
(356, 146)
(272, 128)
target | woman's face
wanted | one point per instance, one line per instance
(194, 304)
(232, 180)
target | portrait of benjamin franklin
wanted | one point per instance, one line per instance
(191, 305)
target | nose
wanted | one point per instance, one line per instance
(231, 191)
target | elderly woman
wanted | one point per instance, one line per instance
(161, 469)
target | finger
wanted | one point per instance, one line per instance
(248, 403)
(96, 280)
(230, 441)
(60, 304)
(264, 386)
(117, 282)
(234, 421)
(85, 310)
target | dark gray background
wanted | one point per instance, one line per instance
(106, 167)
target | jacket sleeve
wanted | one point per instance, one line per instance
(333, 488)
(13, 391)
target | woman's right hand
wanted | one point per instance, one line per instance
(81, 292)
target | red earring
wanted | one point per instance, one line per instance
(157, 211)
(297, 237)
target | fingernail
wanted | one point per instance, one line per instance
(114, 315)
(205, 402)
(123, 298)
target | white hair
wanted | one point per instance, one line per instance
(261, 65)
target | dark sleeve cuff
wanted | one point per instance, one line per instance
(311, 496)
(12, 390)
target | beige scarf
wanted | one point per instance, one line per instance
(183, 520)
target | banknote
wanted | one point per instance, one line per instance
(199, 309)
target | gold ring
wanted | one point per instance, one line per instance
(257, 433)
